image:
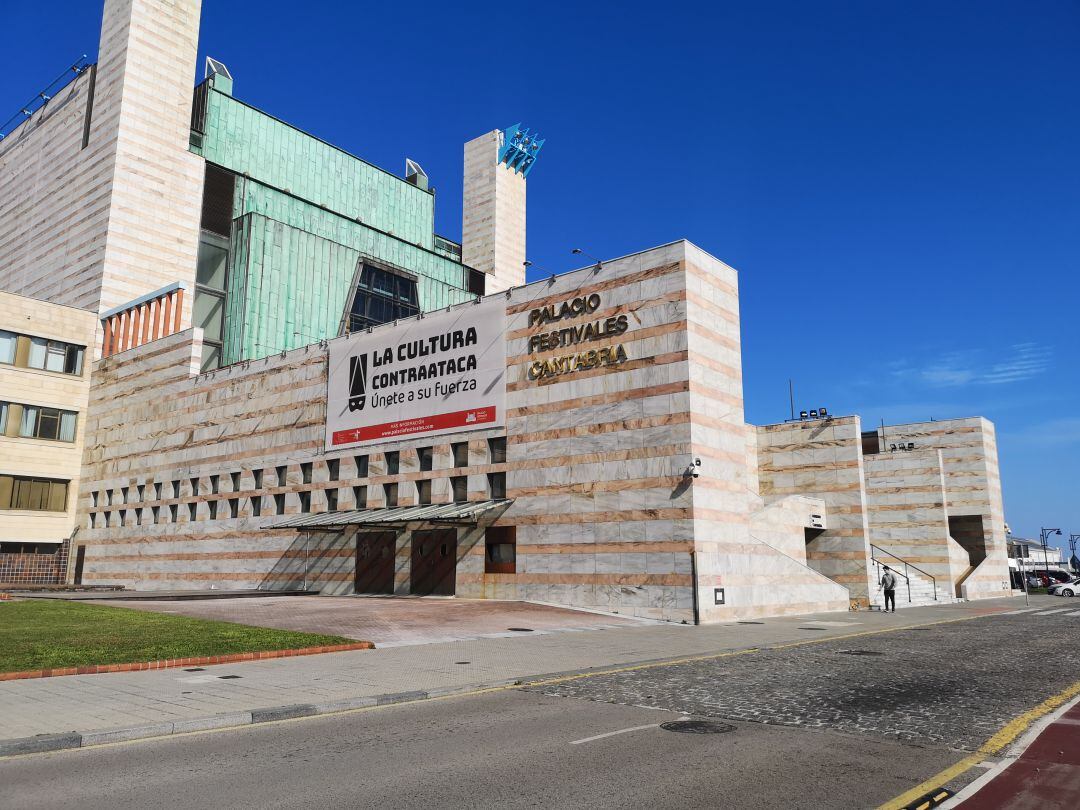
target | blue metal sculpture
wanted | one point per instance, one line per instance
(519, 149)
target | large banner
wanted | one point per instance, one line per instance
(443, 373)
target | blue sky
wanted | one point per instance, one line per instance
(898, 183)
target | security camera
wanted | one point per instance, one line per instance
(695, 472)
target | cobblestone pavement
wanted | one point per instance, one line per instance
(951, 685)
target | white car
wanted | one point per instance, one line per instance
(1065, 588)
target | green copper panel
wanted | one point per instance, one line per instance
(304, 213)
(293, 270)
(250, 142)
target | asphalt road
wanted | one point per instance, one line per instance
(805, 726)
(507, 749)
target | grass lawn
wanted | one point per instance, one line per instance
(47, 634)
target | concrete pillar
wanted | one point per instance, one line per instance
(100, 198)
(146, 74)
(493, 215)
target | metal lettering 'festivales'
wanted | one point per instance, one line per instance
(574, 335)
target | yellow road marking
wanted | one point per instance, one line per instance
(1004, 736)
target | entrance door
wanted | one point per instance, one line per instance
(375, 562)
(434, 562)
(80, 558)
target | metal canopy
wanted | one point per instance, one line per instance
(446, 513)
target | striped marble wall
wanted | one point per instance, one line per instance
(596, 463)
(596, 457)
(972, 487)
(905, 500)
(823, 459)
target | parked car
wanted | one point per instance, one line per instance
(1070, 588)
(1045, 579)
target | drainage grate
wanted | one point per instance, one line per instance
(859, 652)
(461, 662)
(751, 622)
(196, 669)
(520, 629)
(230, 677)
(814, 628)
(697, 727)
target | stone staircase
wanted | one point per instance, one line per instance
(922, 587)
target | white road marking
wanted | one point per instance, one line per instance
(1074, 613)
(834, 624)
(1016, 612)
(1048, 612)
(613, 733)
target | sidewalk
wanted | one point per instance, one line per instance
(92, 709)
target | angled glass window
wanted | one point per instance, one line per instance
(208, 308)
(382, 296)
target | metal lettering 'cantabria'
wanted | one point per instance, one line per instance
(442, 373)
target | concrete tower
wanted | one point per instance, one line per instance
(493, 205)
(99, 195)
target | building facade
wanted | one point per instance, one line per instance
(296, 383)
(44, 384)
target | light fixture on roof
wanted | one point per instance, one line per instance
(580, 252)
(813, 414)
(803, 414)
(823, 412)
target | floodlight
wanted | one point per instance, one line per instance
(813, 414)
(802, 414)
(823, 412)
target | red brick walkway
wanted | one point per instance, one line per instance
(1046, 775)
(388, 622)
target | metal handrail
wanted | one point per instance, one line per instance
(907, 565)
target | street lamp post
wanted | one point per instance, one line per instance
(1044, 534)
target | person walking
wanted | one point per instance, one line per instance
(888, 584)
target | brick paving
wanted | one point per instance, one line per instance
(947, 685)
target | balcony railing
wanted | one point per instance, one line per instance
(152, 316)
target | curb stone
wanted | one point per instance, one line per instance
(191, 661)
(59, 742)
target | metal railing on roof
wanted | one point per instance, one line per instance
(41, 99)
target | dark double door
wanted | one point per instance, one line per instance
(434, 562)
(375, 556)
(432, 569)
